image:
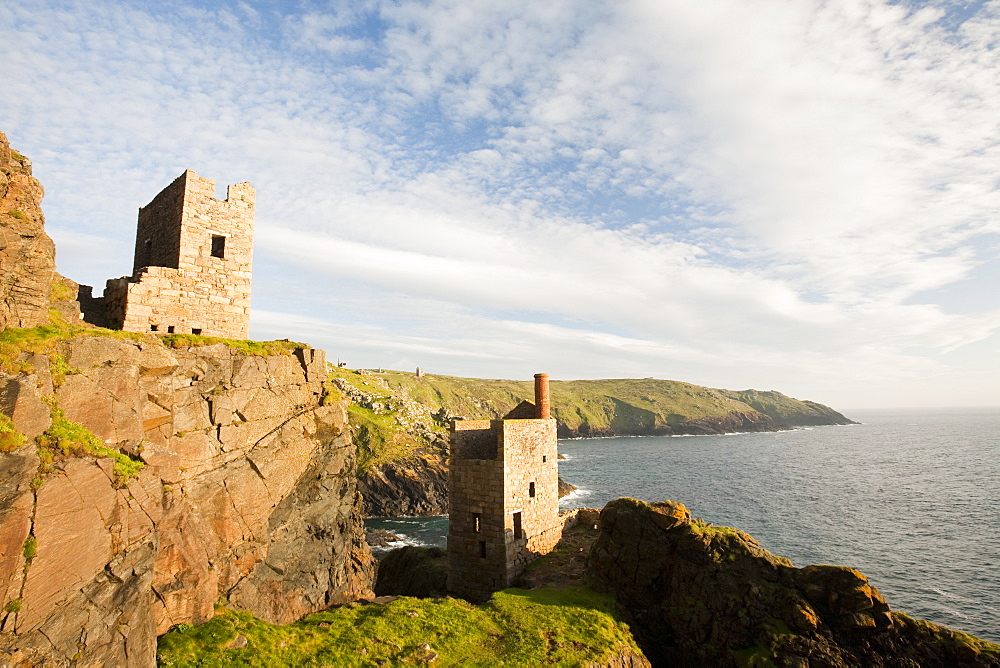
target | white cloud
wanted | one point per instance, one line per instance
(737, 193)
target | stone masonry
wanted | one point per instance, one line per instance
(192, 265)
(504, 497)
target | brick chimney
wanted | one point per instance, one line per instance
(542, 396)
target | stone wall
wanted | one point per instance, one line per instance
(531, 479)
(504, 501)
(182, 280)
(248, 496)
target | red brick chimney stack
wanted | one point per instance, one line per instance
(542, 396)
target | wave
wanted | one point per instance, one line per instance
(574, 495)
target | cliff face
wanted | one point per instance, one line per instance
(247, 494)
(29, 284)
(702, 595)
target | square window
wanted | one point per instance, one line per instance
(154, 328)
(195, 331)
(170, 329)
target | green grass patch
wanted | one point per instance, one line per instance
(256, 348)
(515, 628)
(10, 438)
(30, 548)
(13, 606)
(379, 437)
(61, 291)
(17, 214)
(14, 342)
(65, 438)
(17, 156)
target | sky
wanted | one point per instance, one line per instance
(796, 195)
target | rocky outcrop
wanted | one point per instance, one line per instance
(416, 485)
(247, 494)
(702, 595)
(29, 284)
(413, 571)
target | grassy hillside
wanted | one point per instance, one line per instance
(516, 628)
(626, 406)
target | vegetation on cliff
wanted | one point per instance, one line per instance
(625, 406)
(516, 627)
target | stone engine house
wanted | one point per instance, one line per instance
(504, 496)
(192, 265)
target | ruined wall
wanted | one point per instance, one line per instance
(248, 495)
(503, 503)
(178, 284)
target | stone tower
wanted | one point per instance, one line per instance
(503, 497)
(191, 267)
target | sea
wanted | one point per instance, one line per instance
(911, 498)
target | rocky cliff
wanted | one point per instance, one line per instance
(141, 484)
(701, 595)
(29, 284)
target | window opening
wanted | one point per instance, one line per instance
(518, 530)
(218, 246)
(531, 489)
(154, 328)
(195, 330)
(476, 517)
(482, 549)
(170, 329)
(544, 459)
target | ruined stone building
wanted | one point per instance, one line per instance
(191, 268)
(504, 496)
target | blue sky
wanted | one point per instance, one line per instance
(801, 196)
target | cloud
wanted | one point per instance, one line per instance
(737, 193)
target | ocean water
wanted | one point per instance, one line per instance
(911, 498)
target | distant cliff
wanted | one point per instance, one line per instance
(401, 422)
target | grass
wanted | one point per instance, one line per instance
(14, 213)
(254, 348)
(379, 438)
(10, 438)
(43, 339)
(515, 628)
(65, 438)
(30, 548)
(61, 291)
(628, 405)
